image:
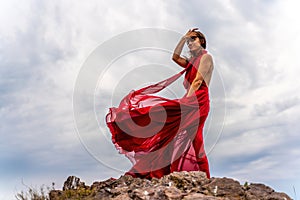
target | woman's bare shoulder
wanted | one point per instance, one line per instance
(207, 59)
(207, 56)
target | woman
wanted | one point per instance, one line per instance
(161, 135)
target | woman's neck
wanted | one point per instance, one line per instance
(198, 52)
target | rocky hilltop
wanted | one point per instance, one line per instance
(177, 185)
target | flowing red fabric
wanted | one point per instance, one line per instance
(161, 135)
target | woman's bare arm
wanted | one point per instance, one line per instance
(177, 52)
(176, 55)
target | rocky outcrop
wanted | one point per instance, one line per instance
(177, 185)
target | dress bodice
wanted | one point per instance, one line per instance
(191, 71)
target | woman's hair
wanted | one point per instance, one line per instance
(201, 36)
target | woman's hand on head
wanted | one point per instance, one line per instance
(190, 33)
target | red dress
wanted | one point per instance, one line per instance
(161, 135)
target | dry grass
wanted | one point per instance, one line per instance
(41, 193)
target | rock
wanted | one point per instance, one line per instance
(257, 191)
(177, 185)
(55, 194)
(73, 183)
(184, 180)
(194, 196)
(224, 187)
(173, 193)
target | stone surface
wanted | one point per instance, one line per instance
(177, 185)
(73, 183)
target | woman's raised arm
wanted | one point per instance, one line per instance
(177, 52)
(176, 55)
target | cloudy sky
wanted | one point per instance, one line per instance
(64, 63)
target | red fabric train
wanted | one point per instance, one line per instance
(161, 135)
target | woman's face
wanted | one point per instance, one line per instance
(193, 43)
